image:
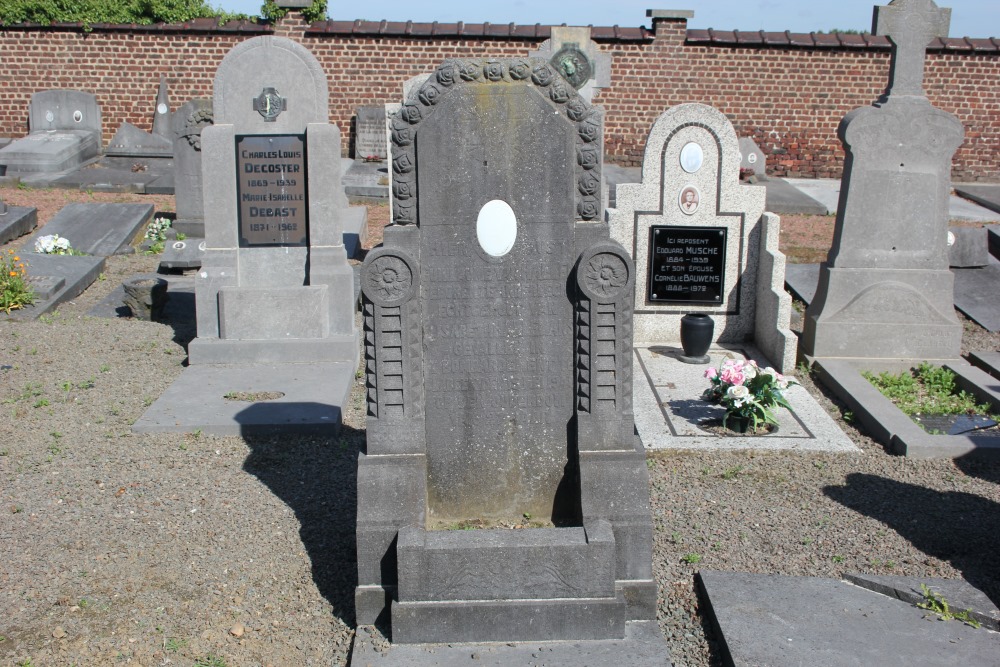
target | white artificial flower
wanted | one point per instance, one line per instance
(739, 394)
(750, 371)
(62, 243)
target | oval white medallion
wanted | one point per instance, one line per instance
(496, 228)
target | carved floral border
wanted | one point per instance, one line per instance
(532, 71)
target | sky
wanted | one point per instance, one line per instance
(969, 18)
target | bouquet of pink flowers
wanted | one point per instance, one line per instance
(748, 392)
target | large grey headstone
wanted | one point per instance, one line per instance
(188, 123)
(497, 322)
(885, 291)
(64, 132)
(275, 285)
(700, 239)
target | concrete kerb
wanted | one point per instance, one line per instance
(887, 424)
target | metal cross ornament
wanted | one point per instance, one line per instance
(269, 104)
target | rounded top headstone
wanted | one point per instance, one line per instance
(270, 85)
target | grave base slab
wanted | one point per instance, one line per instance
(777, 620)
(97, 229)
(61, 277)
(670, 414)
(642, 646)
(18, 221)
(312, 398)
(888, 424)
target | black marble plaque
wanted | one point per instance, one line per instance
(687, 264)
(271, 187)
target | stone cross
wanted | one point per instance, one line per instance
(910, 25)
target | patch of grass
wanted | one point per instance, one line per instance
(936, 604)
(210, 661)
(732, 473)
(174, 644)
(691, 558)
(926, 389)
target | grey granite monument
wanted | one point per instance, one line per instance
(275, 285)
(65, 132)
(701, 241)
(885, 292)
(498, 342)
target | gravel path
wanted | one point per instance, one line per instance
(175, 549)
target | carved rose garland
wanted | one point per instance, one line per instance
(454, 73)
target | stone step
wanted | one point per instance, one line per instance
(508, 620)
(532, 563)
(642, 646)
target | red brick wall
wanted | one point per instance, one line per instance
(789, 99)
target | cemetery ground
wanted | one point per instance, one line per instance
(118, 548)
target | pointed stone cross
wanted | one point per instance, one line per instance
(910, 25)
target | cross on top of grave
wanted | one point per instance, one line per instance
(910, 25)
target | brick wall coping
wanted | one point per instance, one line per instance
(536, 32)
(194, 25)
(829, 41)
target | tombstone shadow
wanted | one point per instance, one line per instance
(316, 476)
(975, 466)
(960, 528)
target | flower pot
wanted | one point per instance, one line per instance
(696, 337)
(744, 425)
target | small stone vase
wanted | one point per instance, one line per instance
(696, 337)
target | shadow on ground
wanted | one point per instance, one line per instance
(316, 476)
(953, 526)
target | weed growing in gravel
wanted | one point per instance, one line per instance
(837, 559)
(938, 605)
(732, 473)
(15, 292)
(926, 389)
(156, 232)
(691, 558)
(105, 368)
(173, 644)
(210, 661)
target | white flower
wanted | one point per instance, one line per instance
(62, 243)
(739, 394)
(45, 244)
(770, 372)
(750, 371)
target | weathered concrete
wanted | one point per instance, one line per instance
(311, 401)
(984, 194)
(97, 229)
(642, 646)
(16, 221)
(783, 621)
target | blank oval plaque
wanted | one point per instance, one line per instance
(496, 228)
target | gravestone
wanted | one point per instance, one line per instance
(188, 123)
(132, 141)
(752, 158)
(701, 241)
(497, 321)
(885, 290)
(65, 132)
(369, 137)
(578, 59)
(100, 230)
(275, 285)
(16, 221)
(161, 115)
